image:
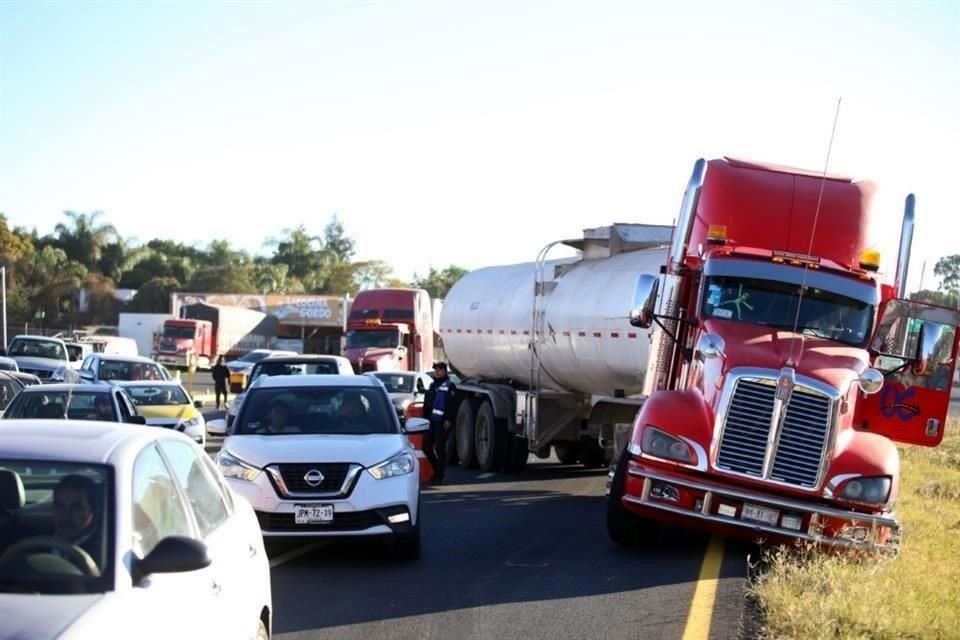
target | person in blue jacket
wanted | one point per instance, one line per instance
(440, 408)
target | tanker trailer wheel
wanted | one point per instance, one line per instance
(518, 454)
(625, 528)
(567, 452)
(592, 454)
(466, 419)
(491, 439)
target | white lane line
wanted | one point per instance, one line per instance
(295, 553)
(484, 476)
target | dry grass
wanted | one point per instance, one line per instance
(805, 594)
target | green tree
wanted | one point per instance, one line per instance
(154, 296)
(301, 252)
(220, 254)
(438, 283)
(52, 282)
(372, 274)
(948, 270)
(82, 239)
(936, 297)
(338, 246)
(225, 279)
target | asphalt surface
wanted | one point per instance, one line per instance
(504, 556)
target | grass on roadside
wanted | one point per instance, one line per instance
(806, 594)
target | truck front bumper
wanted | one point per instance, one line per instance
(658, 495)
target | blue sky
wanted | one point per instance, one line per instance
(455, 132)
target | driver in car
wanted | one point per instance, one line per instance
(102, 409)
(74, 517)
(277, 419)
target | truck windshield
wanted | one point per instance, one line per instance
(178, 332)
(373, 339)
(772, 303)
(38, 349)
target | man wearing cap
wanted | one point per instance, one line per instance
(440, 407)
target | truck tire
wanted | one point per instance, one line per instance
(567, 452)
(592, 454)
(625, 528)
(466, 419)
(491, 442)
(517, 455)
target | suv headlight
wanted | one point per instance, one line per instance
(399, 465)
(662, 445)
(875, 490)
(233, 467)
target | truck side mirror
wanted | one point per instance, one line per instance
(644, 301)
(927, 340)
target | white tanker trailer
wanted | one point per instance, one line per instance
(547, 352)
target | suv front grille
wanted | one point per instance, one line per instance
(289, 479)
(802, 439)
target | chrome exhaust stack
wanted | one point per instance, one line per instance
(688, 210)
(906, 240)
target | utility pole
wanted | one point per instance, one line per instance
(3, 277)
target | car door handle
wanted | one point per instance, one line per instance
(252, 551)
(215, 587)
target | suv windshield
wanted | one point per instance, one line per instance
(772, 303)
(375, 339)
(56, 539)
(38, 349)
(316, 410)
(84, 405)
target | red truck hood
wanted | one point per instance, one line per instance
(749, 345)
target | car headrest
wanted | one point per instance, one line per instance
(12, 496)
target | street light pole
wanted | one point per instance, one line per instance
(3, 278)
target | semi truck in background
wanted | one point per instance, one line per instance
(771, 367)
(205, 331)
(390, 330)
(143, 328)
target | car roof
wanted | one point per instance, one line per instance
(300, 358)
(147, 383)
(30, 337)
(274, 382)
(68, 440)
(78, 387)
(118, 358)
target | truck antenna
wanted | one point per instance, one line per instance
(813, 231)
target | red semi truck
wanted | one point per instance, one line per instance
(205, 331)
(781, 369)
(390, 330)
(761, 386)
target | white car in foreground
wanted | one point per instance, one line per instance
(116, 531)
(325, 456)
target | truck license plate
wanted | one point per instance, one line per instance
(313, 513)
(759, 514)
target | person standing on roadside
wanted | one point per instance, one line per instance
(440, 408)
(220, 377)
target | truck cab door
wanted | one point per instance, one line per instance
(915, 347)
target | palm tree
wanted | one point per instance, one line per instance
(82, 239)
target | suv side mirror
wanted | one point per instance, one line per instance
(173, 554)
(416, 425)
(644, 301)
(137, 420)
(217, 427)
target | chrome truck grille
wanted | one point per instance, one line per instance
(767, 438)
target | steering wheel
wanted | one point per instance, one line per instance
(74, 554)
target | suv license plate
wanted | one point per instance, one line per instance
(759, 514)
(313, 513)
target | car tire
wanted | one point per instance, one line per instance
(490, 446)
(567, 452)
(262, 633)
(466, 421)
(591, 454)
(406, 546)
(518, 455)
(625, 528)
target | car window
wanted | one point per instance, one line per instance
(8, 389)
(37, 349)
(83, 405)
(201, 490)
(346, 410)
(158, 511)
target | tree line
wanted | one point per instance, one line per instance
(87, 257)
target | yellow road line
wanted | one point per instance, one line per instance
(701, 609)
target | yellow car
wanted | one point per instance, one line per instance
(165, 403)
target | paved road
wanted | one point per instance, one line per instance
(505, 556)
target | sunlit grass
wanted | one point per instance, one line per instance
(810, 594)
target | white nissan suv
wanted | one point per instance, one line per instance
(325, 456)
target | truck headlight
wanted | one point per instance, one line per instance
(233, 467)
(399, 465)
(875, 490)
(662, 445)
